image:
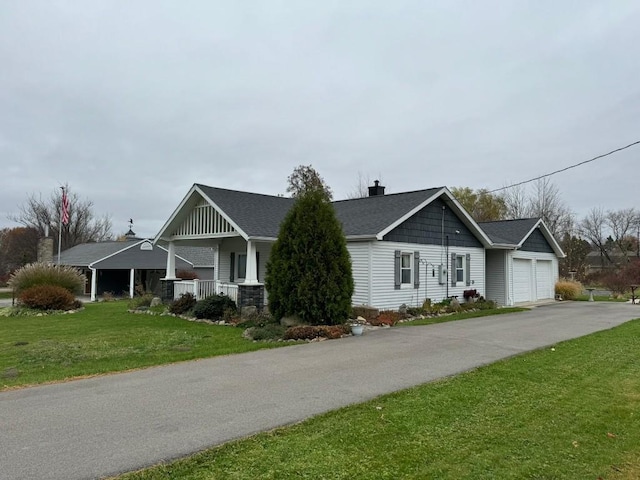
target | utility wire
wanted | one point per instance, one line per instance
(566, 168)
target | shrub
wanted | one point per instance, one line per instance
(47, 297)
(213, 307)
(135, 302)
(270, 331)
(35, 274)
(258, 319)
(568, 290)
(387, 317)
(183, 304)
(309, 332)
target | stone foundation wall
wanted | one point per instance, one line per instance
(250, 295)
(166, 290)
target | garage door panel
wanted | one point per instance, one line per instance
(522, 274)
(544, 282)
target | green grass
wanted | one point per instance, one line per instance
(5, 295)
(103, 338)
(603, 298)
(462, 316)
(572, 413)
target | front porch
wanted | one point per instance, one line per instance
(239, 258)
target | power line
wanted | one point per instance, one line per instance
(567, 168)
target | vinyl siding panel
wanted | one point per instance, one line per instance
(496, 262)
(385, 296)
(360, 262)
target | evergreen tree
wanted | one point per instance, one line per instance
(309, 269)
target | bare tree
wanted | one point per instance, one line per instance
(516, 202)
(594, 228)
(546, 203)
(622, 224)
(304, 179)
(361, 188)
(42, 214)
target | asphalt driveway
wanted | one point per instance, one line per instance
(102, 426)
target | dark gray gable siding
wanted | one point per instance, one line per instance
(536, 242)
(425, 227)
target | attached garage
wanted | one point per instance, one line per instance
(522, 274)
(526, 253)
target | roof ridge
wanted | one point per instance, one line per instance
(387, 195)
(511, 220)
(243, 191)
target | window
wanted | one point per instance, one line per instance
(242, 265)
(460, 269)
(405, 268)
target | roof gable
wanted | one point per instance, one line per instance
(515, 233)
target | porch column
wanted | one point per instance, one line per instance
(251, 276)
(94, 284)
(171, 262)
(132, 280)
(216, 263)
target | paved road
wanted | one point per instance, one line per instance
(102, 426)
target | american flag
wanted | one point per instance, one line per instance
(65, 208)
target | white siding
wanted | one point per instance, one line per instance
(385, 296)
(228, 245)
(497, 276)
(360, 253)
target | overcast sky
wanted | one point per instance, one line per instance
(131, 102)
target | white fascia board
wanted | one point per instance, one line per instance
(550, 238)
(261, 239)
(167, 224)
(119, 251)
(503, 246)
(409, 214)
(221, 212)
(361, 238)
(164, 231)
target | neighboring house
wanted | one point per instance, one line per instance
(118, 266)
(528, 270)
(404, 247)
(614, 258)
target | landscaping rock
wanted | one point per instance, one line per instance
(402, 309)
(155, 301)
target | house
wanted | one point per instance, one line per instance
(404, 247)
(118, 266)
(527, 270)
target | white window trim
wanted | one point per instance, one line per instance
(408, 284)
(462, 282)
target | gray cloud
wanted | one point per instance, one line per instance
(132, 102)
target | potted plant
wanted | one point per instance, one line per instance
(357, 326)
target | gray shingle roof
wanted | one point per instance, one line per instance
(256, 214)
(510, 232)
(199, 256)
(371, 215)
(82, 255)
(261, 215)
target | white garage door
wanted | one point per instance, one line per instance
(522, 273)
(544, 284)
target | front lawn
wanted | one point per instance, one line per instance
(568, 412)
(104, 337)
(6, 295)
(603, 298)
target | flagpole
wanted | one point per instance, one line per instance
(60, 225)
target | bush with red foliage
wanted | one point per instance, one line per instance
(309, 332)
(387, 317)
(620, 281)
(47, 297)
(187, 275)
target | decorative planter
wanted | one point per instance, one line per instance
(357, 329)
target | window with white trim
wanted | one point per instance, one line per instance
(460, 263)
(406, 268)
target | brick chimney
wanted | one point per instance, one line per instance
(376, 190)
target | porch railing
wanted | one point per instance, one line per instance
(204, 288)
